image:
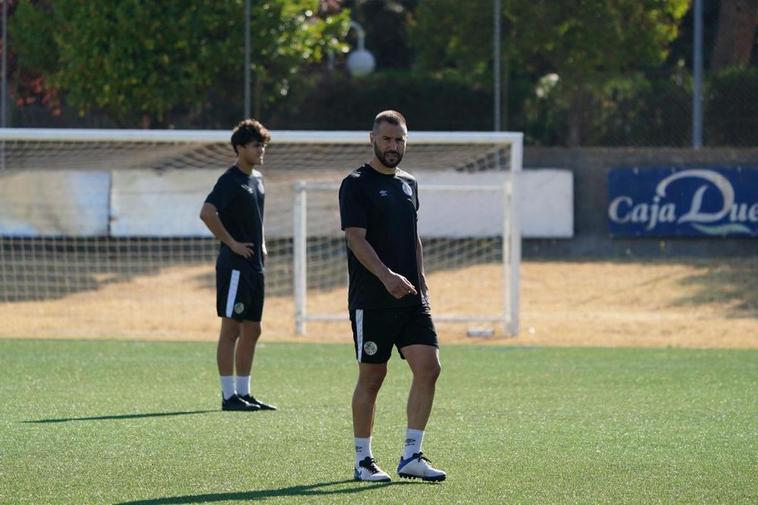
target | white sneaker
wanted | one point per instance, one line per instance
(368, 471)
(418, 467)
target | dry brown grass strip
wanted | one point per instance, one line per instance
(702, 303)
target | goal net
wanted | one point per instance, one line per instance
(100, 235)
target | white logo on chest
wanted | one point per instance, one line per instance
(383, 192)
(407, 189)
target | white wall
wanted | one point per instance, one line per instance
(54, 203)
(160, 204)
(546, 204)
(167, 203)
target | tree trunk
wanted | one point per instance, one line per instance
(737, 23)
(579, 114)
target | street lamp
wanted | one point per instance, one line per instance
(360, 62)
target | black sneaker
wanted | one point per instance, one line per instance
(236, 402)
(263, 406)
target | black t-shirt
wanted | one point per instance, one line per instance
(386, 207)
(239, 200)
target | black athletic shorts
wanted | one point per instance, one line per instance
(239, 293)
(376, 331)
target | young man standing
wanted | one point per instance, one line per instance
(233, 212)
(387, 296)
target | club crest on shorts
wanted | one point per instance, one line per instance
(370, 348)
(407, 189)
(239, 307)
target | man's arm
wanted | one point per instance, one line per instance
(209, 216)
(420, 261)
(397, 285)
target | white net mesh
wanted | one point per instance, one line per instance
(463, 252)
(101, 238)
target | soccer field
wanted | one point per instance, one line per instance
(139, 422)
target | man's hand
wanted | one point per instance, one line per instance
(244, 249)
(397, 285)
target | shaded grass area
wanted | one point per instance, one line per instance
(687, 282)
(138, 422)
(731, 281)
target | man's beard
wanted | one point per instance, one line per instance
(383, 157)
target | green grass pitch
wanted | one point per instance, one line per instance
(86, 422)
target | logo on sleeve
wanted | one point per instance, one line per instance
(407, 189)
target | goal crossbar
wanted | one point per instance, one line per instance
(281, 136)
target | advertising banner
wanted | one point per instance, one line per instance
(683, 202)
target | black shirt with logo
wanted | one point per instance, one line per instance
(239, 199)
(386, 206)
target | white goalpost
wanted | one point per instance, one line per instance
(99, 233)
(316, 227)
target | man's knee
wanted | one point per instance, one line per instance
(428, 372)
(251, 331)
(230, 330)
(370, 379)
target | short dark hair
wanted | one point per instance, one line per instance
(248, 131)
(389, 116)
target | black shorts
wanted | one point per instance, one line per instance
(376, 331)
(239, 293)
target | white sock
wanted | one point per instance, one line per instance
(227, 386)
(362, 449)
(413, 439)
(243, 385)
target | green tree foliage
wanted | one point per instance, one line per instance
(583, 43)
(140, 61)
(385, 23)
(732, 107)
(453, 39)
(287, 36)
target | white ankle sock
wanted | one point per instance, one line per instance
(227, 386)
(413, 439)
(243, 385)
(362, 449)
